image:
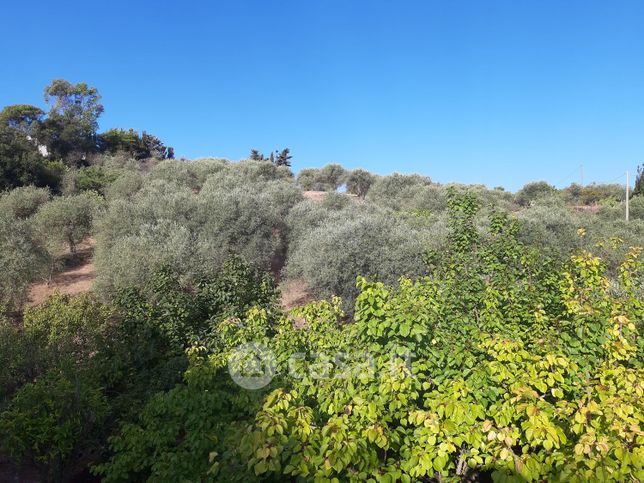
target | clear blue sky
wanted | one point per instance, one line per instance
(494, 92)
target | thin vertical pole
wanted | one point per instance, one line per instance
(627, 196)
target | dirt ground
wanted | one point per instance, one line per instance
(77, 276)
(316, 196)
(295, 293)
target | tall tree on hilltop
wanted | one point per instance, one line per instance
(283, 158)
(22, 117)
(638, 190)
(70, 129)
(129, 142)
(255, 155)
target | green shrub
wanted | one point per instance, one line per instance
(373, 245)
(65, 332)
(328, 178)
(331, 176)
(397, 191)
(307, 180)
(335, 201)
(23, 202)
(166, 225)
(303, 218)
(553, 227)
(48, 421)
(174, 171)
(23, 260)
(67, 220)
(593, 194)
(124, 187)
(13, 355)
(90, 178)
(502, 364)
(359, 181)
(533, 191)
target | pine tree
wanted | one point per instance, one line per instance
(255, 155)
(638, 190)
(283, 158)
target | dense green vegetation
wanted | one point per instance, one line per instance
(457, 333)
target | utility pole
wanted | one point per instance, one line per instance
(626, 195)
(581, 173)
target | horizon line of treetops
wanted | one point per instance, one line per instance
(37, 148)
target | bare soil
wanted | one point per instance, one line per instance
(77, 276)
(316, 196)
(295, 293)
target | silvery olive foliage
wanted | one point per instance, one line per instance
(504, 364)
(191, 218)
(397, 191)
(359, 181)
(533, 191)
(352, 242)
(66, 221)
(21, 203)
(327, 178)
(23, 259)
(336, 201)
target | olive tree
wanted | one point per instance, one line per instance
(332, 255)
(192, 232)
(307, 179)
(23, 202)
(359, 181)
(533, 191)
(399, 191)
(331, 176)
(67, 220)
(22, 260)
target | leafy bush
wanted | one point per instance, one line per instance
(23, 202)
(533, 191)
(67, 220)
(593, 194)
(124, 186)
(331, 176)
(90, 178)
(23, 165)
(359, 181)
(203, 168)
(57, 408)
(373, 245)
(303, 218)
(49, 419)
(166, 225)
(553, 227)
(397, 190)
(65, 332)
(13, 354)
(328, 178)
(503, 364)
(335, 201)
(22, 258)
(173, 171)
(307, 180)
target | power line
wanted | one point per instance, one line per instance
(568, 176)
